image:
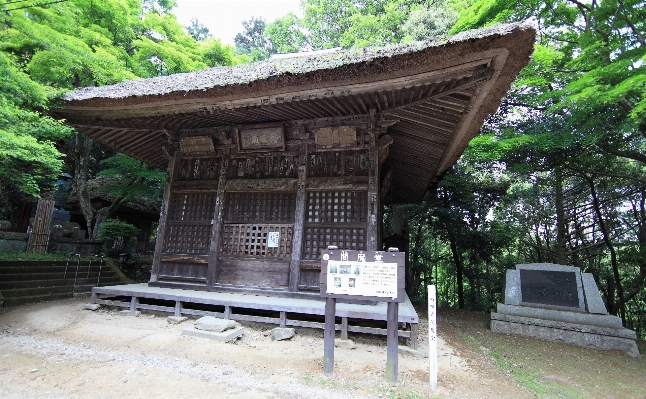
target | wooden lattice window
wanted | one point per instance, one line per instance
(336, 207)
(258, 207)
(253, 240)
(189, 223)
(318, 238)
(335, 218)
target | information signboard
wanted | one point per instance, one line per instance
(365, 275)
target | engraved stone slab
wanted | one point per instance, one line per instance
(593, 301)
(512, 287)
(551, 286)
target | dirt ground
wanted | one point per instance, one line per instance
(60, 350)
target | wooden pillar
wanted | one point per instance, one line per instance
(344, 328)
(392, 342)
(299, 222)
(134, 301)
(161, 228)
(372, 239)
(178, 309)
(216, 230)
(328, 335)
(283, 319)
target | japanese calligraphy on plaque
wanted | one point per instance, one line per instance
(262, 139)
(375, 275)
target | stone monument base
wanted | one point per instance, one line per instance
(591, 330)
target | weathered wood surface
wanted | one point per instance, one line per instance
(279, 185)
(201, 259)
(39, 233)
(328, 336)
(314, 305)
(255, 273)
(183, 271)
(392, 343)
(216, 232)
(160, 242)
(299, 223)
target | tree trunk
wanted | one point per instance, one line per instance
(459, 271)
(560, 219)
(81, 177)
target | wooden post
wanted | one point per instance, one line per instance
(39, 233)
(283, 319)
(328, 336)
(178, 309)
(392, 342)
(216, 230)
(227, 312)
(344, 328)
(299, 223)
(372, 239)
(414, 336)
(432, 336)
(161, 228)
(133, 304)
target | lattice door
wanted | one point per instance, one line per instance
(189, 223)
(335, 218)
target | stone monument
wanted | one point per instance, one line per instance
(559, 303)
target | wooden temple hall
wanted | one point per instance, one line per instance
(270, 163)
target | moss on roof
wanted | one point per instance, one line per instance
(296, 65)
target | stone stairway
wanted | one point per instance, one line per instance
(31, 281)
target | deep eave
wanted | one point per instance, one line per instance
(438, 92)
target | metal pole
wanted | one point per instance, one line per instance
(67, 264)
(78, 262)
(99, 277)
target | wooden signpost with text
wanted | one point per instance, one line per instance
(363, 275)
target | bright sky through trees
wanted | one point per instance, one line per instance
(224, 17)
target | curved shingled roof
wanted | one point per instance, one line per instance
(436, 93)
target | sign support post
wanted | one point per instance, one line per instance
(432, 336)
(392, 342)
(328, 335)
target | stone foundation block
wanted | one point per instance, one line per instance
(224, 336)
(213, 324)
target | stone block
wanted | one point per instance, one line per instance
(593, 301)
(561, 325)
(512, 287)
(282, 333)
(214, 324)
(136, 313)
(414, 352)
(176, 319)
(224, 336)
(92, 306)
(561, 315)
(628, 346)
(345, 344)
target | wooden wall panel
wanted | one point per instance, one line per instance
(251, 240)
(197, 169)
(318, 239)
(338, 163)
(190, 272)
(264, 167)
(254, 273)
(260, 207)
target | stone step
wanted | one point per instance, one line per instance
(55, 276)
(34, 299)
(19, 263)
(48, 269)
(81, 286)
(17, 284)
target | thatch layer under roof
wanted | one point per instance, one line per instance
(438, 92)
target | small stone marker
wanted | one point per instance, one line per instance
(92, 306)
(176, 320)
(345, 344)
(213, 324)
(282, 333)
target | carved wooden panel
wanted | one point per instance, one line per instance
(318, 238)
(343, 136)
(260, 207)
(197, 169)
(261, 139)
(263, 167)
(196, 145)
(339, 163)
(253, 240)
(336, 207)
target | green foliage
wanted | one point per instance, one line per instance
(253, 41)
(197, 30)
(114, 229)
(286, 35)
(130, 179)
(429, 22)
